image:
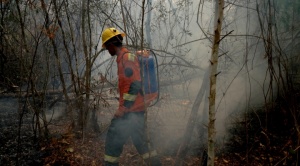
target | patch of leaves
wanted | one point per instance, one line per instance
(14, 151)
(262, 137)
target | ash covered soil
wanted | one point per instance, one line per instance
(17, 149)
(20, 145)
(61, 147)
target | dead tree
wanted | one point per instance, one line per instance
(184, 146)
(219, 7)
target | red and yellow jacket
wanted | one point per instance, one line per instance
(130, 86)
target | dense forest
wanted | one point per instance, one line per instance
(228, 72)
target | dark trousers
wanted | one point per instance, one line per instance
(129, 125)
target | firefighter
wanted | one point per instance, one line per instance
(128, 120)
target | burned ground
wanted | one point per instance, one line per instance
(251, 141)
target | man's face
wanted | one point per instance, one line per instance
(111, 49)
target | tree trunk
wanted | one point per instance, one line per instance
(58, 62)
(148, 23)
(219, 7)
(87, 55)
(183, 149)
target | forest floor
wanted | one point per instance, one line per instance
(90, 151)
(64, 148)
(61, 147)
(73, 148)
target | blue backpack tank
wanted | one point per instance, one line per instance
(149, 75)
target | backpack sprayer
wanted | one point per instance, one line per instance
(149, 76)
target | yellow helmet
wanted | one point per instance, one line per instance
(110, 33)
